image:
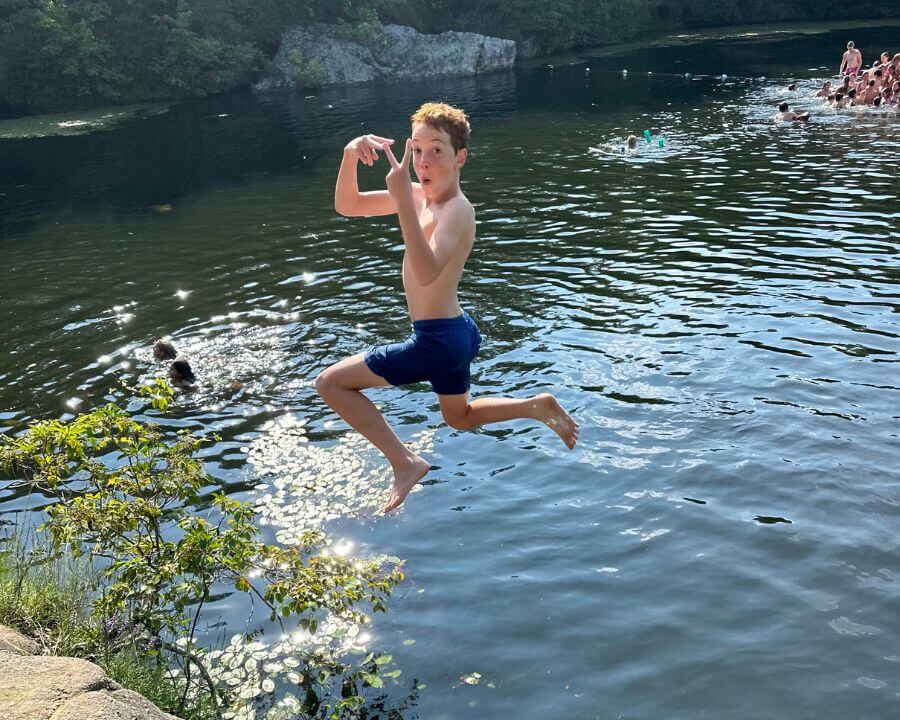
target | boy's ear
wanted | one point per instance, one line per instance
(461, 156)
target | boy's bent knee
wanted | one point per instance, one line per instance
(325, 383)
(458, 421)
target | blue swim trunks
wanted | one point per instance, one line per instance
(438, 351)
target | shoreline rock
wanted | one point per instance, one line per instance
(38, 687)
(316, 55)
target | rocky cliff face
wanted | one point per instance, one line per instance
(315, 54)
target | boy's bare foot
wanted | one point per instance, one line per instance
(551, 413)
(405, 479)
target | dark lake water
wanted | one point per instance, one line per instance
(722, 315)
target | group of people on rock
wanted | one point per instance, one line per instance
(876, 87)
(879, 86)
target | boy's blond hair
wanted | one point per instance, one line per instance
(451, 120)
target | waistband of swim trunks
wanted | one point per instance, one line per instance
(441, 323)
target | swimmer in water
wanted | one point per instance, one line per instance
(164, 350)
(182, 376)
(437, 223)
(613, 148)
(786, 114)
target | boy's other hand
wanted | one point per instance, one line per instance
(397, 180)
(365, 148)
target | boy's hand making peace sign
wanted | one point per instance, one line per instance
(398, 181)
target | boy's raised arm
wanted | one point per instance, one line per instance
(348, 200)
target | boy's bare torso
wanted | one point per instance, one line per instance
(438, 299)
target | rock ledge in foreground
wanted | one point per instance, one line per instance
(42, 687)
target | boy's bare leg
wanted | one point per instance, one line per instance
(461, 414)
(340, 386)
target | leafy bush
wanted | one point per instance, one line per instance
(48, 597)
(308, 73)
(126, 501)
(366, 30)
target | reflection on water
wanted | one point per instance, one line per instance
(305, 484)
(720, 314)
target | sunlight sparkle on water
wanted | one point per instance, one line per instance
(306, 485)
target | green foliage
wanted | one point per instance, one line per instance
(193, 64)
(48, 598)
(126, 501)
(308, 73)
(366, 29)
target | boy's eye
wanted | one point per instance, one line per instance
(437, 151)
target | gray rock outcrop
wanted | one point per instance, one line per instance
(60, 688)
(316, 53)
(12, 641)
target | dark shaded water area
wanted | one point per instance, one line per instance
(721, 315)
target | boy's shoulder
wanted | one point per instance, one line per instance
(460, 204)
(460, 209)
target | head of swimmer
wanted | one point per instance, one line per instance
(631, 141)
(181, 373)
(783, 107)
(440, 140)
(164, 350)
(851, 45)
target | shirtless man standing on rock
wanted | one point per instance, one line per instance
(438, 226)
(851, 62)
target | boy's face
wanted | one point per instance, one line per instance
(436, 164)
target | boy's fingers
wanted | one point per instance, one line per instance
(390, 156)
(405, 161)
(380, 140)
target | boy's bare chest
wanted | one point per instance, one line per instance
(428, 220)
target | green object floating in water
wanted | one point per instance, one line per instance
(471, 679)
(660, 140)
(647, 136)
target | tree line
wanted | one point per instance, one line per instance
(76, 53)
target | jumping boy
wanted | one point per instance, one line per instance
(438, 226)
